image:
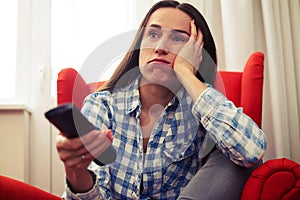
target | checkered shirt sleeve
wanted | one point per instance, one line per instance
(235, 134)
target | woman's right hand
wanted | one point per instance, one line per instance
(77, 153)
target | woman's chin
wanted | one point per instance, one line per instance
(166, 81)
(160, 75)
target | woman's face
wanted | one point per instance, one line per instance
(167, 30)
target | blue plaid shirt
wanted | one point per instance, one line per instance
(175, 148)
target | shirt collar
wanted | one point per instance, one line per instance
(132, 96)
(178, 97)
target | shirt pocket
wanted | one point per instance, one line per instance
(123, 184)
(181, 165)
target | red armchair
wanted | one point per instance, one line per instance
(275, 179)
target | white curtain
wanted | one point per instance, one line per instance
(270, 26)
(282, 26)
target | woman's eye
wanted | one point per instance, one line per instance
(179, 39)
(153, 35)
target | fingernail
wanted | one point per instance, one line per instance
(109, 135)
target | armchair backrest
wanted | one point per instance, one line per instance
(245, 88)
(72, 88)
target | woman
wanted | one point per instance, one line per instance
(162, 111)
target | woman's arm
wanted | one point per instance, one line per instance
(78, 153)
(187, 62)
(235, 133)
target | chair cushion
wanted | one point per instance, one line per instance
(277, 179)
(252, 86)
(229, 83)
(71, 87)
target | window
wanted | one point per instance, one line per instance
(8, 48)
(79, 27)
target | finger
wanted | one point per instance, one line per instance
(200, 37)
(70, 148)
(88, 142)
(200, 41)
(97, 135)
(94, 151)
(82, 159)
(79, 162)
(77, 143)
(97, 151)
(73, 158)
(91, 136)
(193, 30)
(64, 143)
(100, 144)
(109, 135)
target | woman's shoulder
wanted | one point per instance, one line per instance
(107, 94)
(98, 95)
(114, 96)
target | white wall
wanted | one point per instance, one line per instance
(33, 85)
(14, 141)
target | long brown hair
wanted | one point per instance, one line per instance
(128, 68)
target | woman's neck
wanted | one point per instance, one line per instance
(153, 94)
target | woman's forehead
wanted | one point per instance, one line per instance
(170, 18)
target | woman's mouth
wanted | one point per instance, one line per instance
(159, 61)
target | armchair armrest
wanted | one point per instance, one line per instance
(18, 190)
(275, 179)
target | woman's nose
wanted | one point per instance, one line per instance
(162, 47)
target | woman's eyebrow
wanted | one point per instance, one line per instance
(172, 31)
(180, 31)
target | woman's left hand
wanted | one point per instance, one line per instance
(189, 57)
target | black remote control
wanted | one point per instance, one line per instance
(70, 121)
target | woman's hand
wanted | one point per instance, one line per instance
(188, 61)
(190, 56)
(77, 153)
